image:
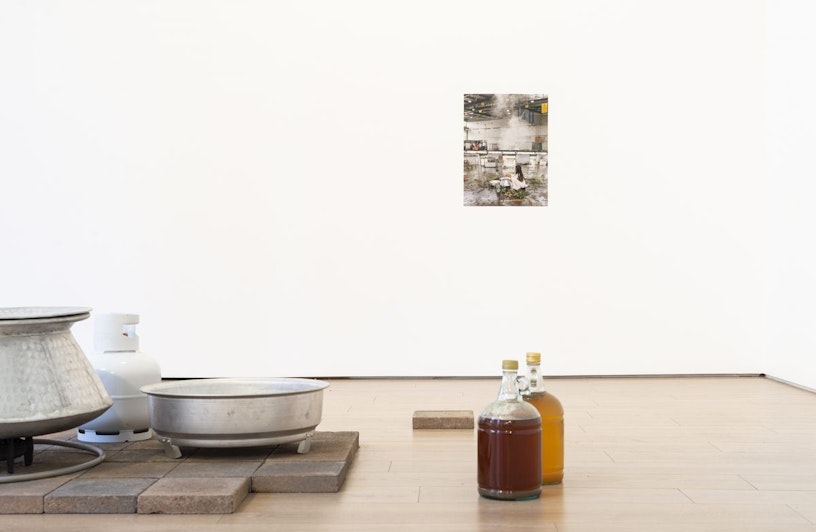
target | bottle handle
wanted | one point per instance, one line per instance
(523, 384)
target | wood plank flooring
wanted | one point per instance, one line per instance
(667, 454)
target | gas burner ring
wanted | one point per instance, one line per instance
(100, 457)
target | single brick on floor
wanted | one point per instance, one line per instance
(443, 419)
(96, 496)
(186, 495)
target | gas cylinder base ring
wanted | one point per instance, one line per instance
(100, 457)
(121, 436)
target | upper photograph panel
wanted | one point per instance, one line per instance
(505, 150)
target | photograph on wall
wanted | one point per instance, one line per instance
(505, 150)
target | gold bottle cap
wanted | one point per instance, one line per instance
(534, 358)
(510, 364)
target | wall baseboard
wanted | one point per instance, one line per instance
(622, 376)
(789, 383)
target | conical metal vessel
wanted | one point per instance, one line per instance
(47, 384)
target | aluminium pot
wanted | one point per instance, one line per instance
(234, 412)
(47, 384)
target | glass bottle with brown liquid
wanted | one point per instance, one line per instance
(509, 444)
(552, 422)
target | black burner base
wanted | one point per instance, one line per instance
(12, 448)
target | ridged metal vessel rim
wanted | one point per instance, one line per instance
(263, 387)
(17, 314)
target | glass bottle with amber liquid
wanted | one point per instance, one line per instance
(552, 422)
(509, 443)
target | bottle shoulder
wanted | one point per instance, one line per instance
(510, 410)
(544, 400)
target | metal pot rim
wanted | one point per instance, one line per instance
(233, 388)
(23, 314)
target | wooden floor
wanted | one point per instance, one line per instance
(642, 454)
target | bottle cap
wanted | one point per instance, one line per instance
(534, 358)
(510, 364)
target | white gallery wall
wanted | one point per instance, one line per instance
(275, 188)
(789, 191)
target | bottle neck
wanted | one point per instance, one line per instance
(509, 387)
(534, 376)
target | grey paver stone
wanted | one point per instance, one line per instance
(130, 470)
(194, 496)
(140, 456)
(325, 446)
(299, 477)
(190, 469)
(27, 497)
(96, 496)
(231, 454)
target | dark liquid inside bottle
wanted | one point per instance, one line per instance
(509, 458)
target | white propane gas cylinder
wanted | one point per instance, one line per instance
(123, 369)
